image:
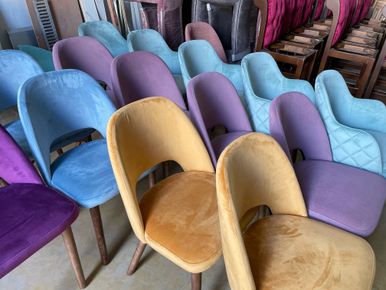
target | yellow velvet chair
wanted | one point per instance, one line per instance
(178, 216)
(285, 250)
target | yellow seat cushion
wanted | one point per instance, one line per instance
(292, 252)
(181, 219)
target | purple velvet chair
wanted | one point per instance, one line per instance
(340, 195)
(213, 101)
(141, 74)
(86, 54)
(31, 214)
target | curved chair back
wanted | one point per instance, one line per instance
(202, 30)
(252, 171)
(58, 104)
(365, 9)
(86, 54)
(296, 124)
(105, 33)
(144, 134)
(358, 12)
(42, 56)
(152, 41)
(319, 9)
(15, 68)
(213, 100)
(141, 74)
(15, 167)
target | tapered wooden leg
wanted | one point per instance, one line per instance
(151, 179)
(136, 257)
(196, 281)
(98, 227)
(69, 242)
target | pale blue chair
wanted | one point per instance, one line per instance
(152, 41)
(263, 82)
(105, 33)
(42, 56)
(198, 56)
(356, 127)
(57, 104)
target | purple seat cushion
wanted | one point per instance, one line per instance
(31, 215)
(341, 195)
(220, 142)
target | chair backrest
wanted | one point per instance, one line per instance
(213, 100)
(365, 9)
(105, 33)
(42, 56)
(144, 134)
(15, 167)
(86, 54)
(202, 30)
(319, 9)
(15, 68)
(57, 104)
(141, 74)
(152, 41)
(346, 12)
(276, 15)
(358, 12)
(296, 124)
(252, 171)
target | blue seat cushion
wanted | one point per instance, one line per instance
(84, 174)
(381, 139)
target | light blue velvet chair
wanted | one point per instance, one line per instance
(263, 82)
(105, 33)
(356, 127)
(42, 56)
(152, 41)
(56, 104)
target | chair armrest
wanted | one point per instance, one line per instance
(368, 114)
(171, 59)
(301, 86)
(258, 111)
(233, 73)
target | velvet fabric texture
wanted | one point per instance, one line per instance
(142, 135)
(141, 74)
(263, 82)
(193, 63)
(152, 41)
(341, 195)
(285, 250)
(346, 13)
(106, 34)
(42, 56)
(319, 9)
(72, 102)
(233, 20)
(353, 125)
(203, 30)
(25, 204)
(86, 54)
(213, 101)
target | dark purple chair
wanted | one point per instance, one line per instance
(213, 101)
(338, 194)
(86, 54)
(141, 74)
(31, 214)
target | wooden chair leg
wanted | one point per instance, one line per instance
(196, 281)
(60, 151)
(136, 257)
(98, 227)
(69, 242)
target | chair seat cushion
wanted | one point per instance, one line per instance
(31, 215)
(84, 173)
(220, 142)
(292, 253)
(381, 139)
(181, 220)
(15, 129)
(341, 195)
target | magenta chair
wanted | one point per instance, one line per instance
(338, 194)
(214, 104)
(86, 54)
(31, 214)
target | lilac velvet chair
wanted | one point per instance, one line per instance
(141, 74)
(213, 101)
(341, 195)
(31, 214)
(86, 54)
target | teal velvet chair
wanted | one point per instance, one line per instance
(57, 104)
(198, 56)
(263, 82)
(356, 127)
(105, 33)
(152, 41)
(42, 56)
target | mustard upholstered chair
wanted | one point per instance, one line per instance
(178, 216)
(285, 250)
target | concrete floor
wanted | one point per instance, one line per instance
(50, 267)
